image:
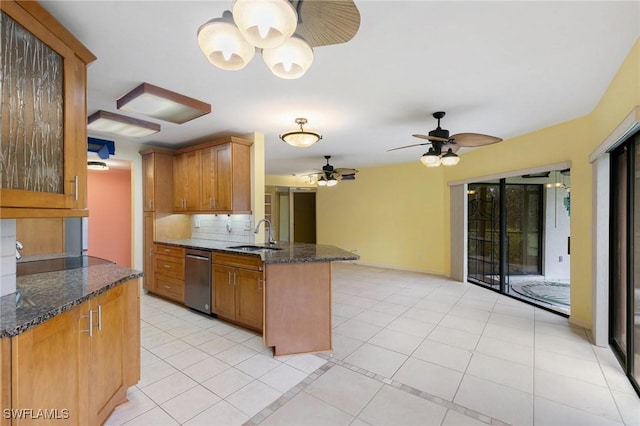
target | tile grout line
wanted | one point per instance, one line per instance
(331, 362)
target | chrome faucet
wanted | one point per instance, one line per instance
(19, 247)
(271, 240)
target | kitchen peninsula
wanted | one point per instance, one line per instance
(282, 290)
(70, 341)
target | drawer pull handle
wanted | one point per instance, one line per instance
(90, 330)
(168, 287)
(166, 266)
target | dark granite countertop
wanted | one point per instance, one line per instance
(289, 253)
(45, 295)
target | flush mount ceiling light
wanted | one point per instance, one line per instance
(301, 138)
(97, 165)
(163, 104)
(116, 124)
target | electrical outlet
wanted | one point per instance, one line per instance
(229, 228)
(560, 259)
(247, 226)
(196, 222)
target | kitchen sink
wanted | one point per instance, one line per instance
(254, 248)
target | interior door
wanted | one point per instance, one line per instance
(304, 217)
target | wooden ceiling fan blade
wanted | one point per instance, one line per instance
(343, 171)
(327, 22)
(474, 139)
(430, 138)
(409, 146)
(454, 147)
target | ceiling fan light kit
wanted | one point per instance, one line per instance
(301, 138)
(229, 42)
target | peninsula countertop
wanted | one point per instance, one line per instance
(48, 294)
(284, 253)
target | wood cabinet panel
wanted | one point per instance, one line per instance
(79, 376)
(170, 288)
(49, 367)
(74, 173)
(169, 272)
(149, 248)
(223, 303)
(186, 181)
(238, 292)
(249, 298)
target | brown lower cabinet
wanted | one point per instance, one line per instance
(169, 272)
(238, 289)
(76, 367)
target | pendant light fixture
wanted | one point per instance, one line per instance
(430, 158)
(265, 23)
(450, 158)
(301, 138)
(223, 44)
(290, 60)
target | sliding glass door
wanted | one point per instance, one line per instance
(509, 221)
(624, 284)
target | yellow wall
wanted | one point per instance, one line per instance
(398, 215)
(392, 215)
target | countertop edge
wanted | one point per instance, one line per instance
(39, 319)
(264, 256)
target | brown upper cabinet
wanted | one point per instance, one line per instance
(53, 185)
(214, 177)
(157, 183)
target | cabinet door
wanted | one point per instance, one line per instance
(106, 380)
(148, 195)
(49, 368)
(148, 248)
(224, 185)
(249, 300)
(223, 303)
(208, 170)
(186, 177)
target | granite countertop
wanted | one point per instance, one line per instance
(45, 295)
(289, 253)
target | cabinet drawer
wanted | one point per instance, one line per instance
(170, 251)
(170, 288)
(169, 266)
(238, 260)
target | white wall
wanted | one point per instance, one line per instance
(556, 231)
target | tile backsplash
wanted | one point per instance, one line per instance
(222, 227)
(7, 256)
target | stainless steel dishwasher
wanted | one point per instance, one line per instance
(197, 280)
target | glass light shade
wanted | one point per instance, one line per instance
(430, 159)
(224, 46)
(322, 181)
(450, 158)
(265, 23)
(332, 181)
(290, 60)
(108, 122)
(161, 103)
(301, 138)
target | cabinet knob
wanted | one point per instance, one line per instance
(166, 266)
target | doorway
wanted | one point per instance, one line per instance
(293, 213)
(517, 237)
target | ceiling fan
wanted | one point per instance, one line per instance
(447, 146)
(329, 175)
(323, 23)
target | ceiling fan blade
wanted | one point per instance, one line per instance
(454, 147)
(474, 139)
(409, 146)
(343, 172)
(323, 23)
(431, 138)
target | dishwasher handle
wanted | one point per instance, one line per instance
(195, 256)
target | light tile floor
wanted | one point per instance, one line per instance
(409, 349)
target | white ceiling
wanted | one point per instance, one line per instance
(499, 68)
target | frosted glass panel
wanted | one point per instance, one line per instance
(31, 79)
